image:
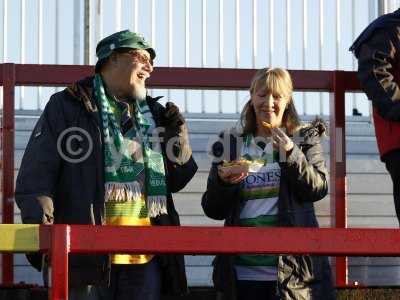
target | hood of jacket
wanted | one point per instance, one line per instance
(312, 131)
(384, 21)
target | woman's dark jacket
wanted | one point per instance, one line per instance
(303, 181)
(51, 189)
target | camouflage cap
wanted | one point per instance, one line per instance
(122, 39)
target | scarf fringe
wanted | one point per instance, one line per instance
(131, 191)
(122, 191)
(156, 205)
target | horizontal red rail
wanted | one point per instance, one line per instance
(60, 240)
(166, 77)
(212, 240)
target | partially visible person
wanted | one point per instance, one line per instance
(377, 50)
(262, 176)
(94, 157)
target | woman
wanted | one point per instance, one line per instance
(268, 179)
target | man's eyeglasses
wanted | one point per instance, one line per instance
(137, 56)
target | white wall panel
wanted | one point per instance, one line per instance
(295, 34)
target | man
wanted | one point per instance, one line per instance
(378, 52)
(94, 158)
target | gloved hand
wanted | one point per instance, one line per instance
(176, 137)
(172, 117)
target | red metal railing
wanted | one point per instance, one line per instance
(334, 82)
(60, 240)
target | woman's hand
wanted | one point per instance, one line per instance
(281, 140)
(227, 176)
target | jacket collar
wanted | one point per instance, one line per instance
(82, 90)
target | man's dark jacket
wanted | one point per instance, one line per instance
(303, 181)
(378, 52)
(51, 188)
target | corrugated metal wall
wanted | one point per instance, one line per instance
(295, 34)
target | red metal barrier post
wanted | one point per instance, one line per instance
(7, 161)
(60, 246)
(338, 167)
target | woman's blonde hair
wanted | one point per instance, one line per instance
(278, 81)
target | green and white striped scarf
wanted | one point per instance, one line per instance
(122, 167)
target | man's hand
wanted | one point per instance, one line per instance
(172, 117)
(175, 133)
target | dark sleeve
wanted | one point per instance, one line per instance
(38, 173)
(306, 171)
(220, 198)
(179, 162)
(376, 63)
(39, 169)
(179, 175)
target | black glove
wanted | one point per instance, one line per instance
(172, 117)
(175, 128)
